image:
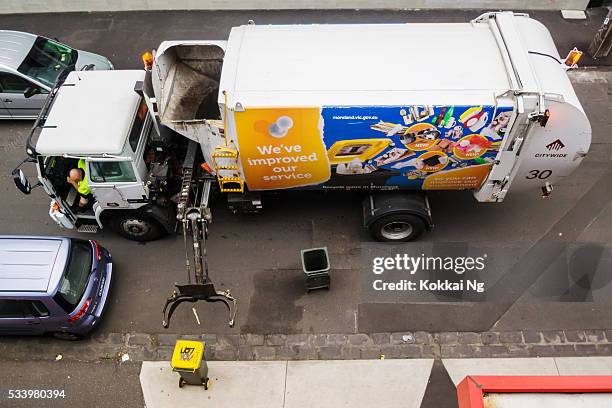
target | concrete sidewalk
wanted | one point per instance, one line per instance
(71, 384)
(355, 384)
(292, 384)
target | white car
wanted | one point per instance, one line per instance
(29, 67)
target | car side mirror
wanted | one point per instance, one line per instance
(21, 181)
(31, 91)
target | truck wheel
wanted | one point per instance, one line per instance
(397, 228)
(137, 227)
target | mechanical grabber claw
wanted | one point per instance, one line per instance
(193, 293)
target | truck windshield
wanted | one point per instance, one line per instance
(74, 282)
(46, 60)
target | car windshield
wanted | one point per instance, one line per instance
(46, 60)
(74, 282)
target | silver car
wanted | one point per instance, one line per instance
(29, 66)
(52, 285)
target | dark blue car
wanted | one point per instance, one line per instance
(52, 285)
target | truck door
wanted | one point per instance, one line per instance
(114, 184)
(503, 172)
(52, 170)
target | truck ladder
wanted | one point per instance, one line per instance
(225, 163)
(225, 160)
(194, 214)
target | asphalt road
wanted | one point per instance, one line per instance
(71, 384)
(257, 256)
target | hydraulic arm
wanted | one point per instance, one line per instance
(194, 214)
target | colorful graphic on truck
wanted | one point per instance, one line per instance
(281, 148)
(370, 147)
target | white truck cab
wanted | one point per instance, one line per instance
(110, 133)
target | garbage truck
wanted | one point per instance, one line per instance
(391, 110)
(483, 106)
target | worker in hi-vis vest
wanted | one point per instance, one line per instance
(78, 180)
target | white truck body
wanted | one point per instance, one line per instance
(499, 64)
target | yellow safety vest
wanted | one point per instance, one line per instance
(83, 184)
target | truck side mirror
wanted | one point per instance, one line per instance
(31, 91)
(21, 181)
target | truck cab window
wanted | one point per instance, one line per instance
(139, 120)
(111, 172)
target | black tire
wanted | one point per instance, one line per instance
(137, 227)
(181, 382)
(67, 336)
(397, 228)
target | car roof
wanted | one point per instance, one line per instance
(32, 264)
(14, 46)
(92, 113)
